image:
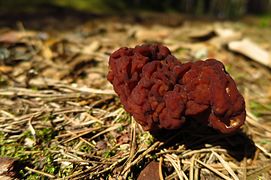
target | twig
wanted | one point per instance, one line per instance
(40, 172)
(160, 168)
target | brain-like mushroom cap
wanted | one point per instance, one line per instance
(161, 92)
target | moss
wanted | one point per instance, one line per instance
(265, 21)
(46, 135)
(146, 138)
(86, 148)
(257, 108)
(51, 167)
(109, 153)
(39, 155)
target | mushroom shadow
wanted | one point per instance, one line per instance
(195, 135)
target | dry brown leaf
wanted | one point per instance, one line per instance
(150, 172)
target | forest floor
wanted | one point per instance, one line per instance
(60, 118)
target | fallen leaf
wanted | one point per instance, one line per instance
(251, 50)
(150, 172)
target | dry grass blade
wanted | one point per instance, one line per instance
(192, 166)
(133, 145)
(77, 174)
(213, 170)
(32, 130)
(74, 87)
(80, 134)
(110, 168)
(244, 167)
(175, 161)
(255, 174)
(95, 91)
(253, 121)
(263, 150)
(226, 165)
(204, 150)
(161, 168)
(7, 114)
(114, 127)
(141, 156)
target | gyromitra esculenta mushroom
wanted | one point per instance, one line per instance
(162, 93)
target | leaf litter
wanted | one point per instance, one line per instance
(61, 118)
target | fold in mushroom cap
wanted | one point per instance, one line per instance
(162, 93)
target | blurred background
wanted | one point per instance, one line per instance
(223, 9)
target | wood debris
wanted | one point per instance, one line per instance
(251, 50)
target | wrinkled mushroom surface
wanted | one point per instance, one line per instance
(162, 93)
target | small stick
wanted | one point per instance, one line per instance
(160, 168)
(40, 172)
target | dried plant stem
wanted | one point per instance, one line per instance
(40, 172)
